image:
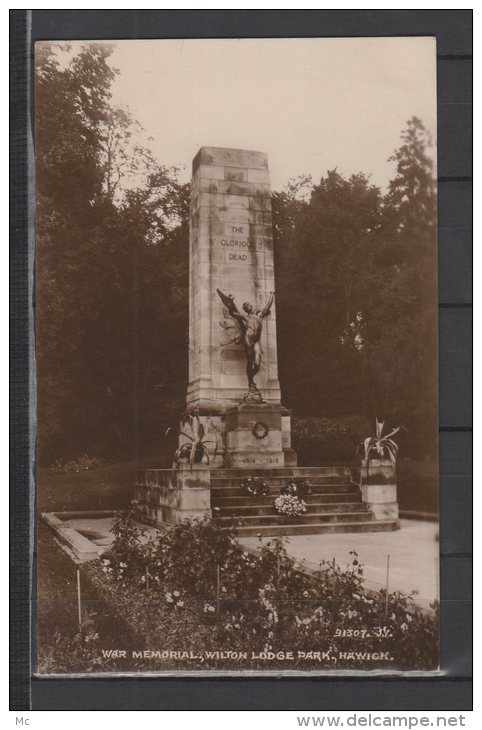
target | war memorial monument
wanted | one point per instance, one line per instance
(234, 402)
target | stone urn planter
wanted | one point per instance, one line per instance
(378, 487)
(378, 471)
(200, 455)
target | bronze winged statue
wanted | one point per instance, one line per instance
(251, 325)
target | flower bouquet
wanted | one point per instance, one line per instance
(289, 505)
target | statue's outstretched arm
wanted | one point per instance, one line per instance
(267, 306)
(228, 301)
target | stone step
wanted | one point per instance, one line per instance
(305, 472)
(304, 519)
(248, 500)
(317, 528)
(269, 509)
(277, 481)
(317, 489)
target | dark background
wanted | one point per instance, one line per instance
(453, 31)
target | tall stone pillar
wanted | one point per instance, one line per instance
(231, 248)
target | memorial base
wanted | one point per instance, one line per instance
(258, 435)
(246, 434)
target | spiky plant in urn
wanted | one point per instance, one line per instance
(195, 449)
(380, 453)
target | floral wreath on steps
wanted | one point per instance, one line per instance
(255, 486)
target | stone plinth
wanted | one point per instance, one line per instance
(231, 248)
(255, 437)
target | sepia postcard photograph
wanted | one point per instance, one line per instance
(236, 357)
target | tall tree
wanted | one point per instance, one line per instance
(70, 105)
(111, 263)
(410, 286)
(412, 192)
(356, 283)
(321, 288)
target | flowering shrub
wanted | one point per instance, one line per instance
(194, 585)
(209, 613)
(174, 600)
(255, 486)
(289, 505)
(124, 562)
(77, 653)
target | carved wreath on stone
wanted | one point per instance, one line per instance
(260, 430)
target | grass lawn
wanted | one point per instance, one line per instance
(106, 487)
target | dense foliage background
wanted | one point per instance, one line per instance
(355, 269)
